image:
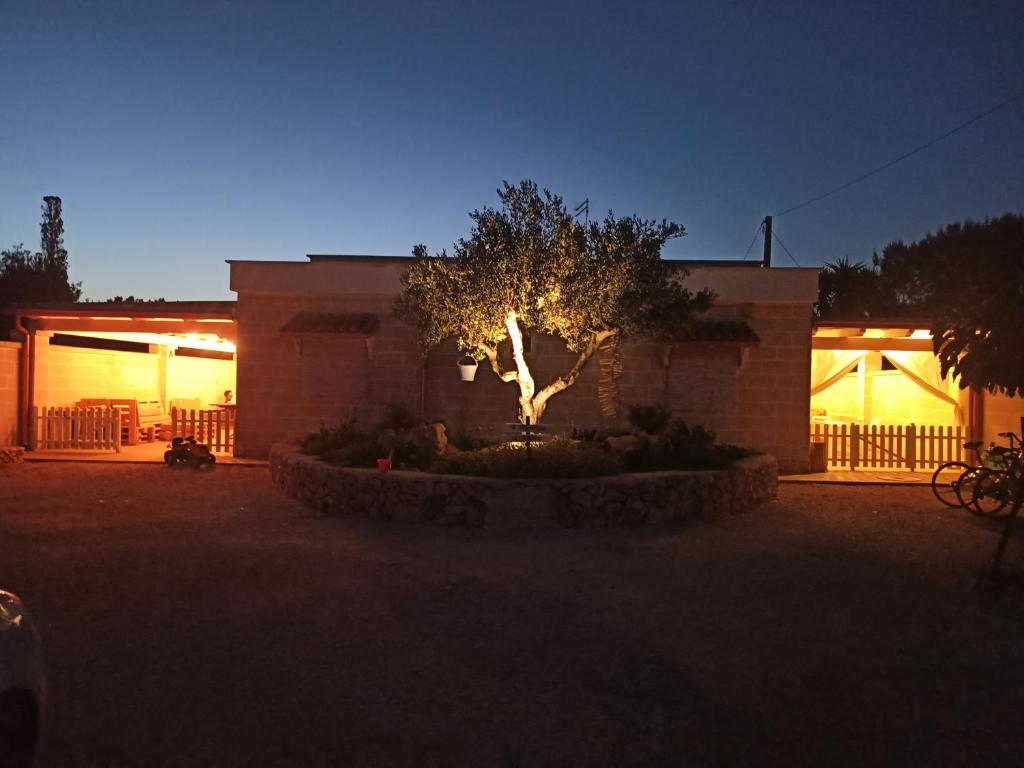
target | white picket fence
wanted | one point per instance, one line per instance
(889, 446)
(214, 427)
(79, 428)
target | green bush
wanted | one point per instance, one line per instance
(681, 446)
(328, 439)
(678, 446)
(558, 458)
(398, 417)
(465, 440)
(651, 419)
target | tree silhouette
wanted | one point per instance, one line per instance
(39, 277)
(848, 289)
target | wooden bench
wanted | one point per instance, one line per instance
(151, 414)
(137, 416)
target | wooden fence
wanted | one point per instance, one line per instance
(215, 427)
(889, 446)
(79, 428)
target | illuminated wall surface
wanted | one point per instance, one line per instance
(65, 375)
(1002, 414)
(893, 399)
(8, 392)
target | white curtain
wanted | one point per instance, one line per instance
(828, 366)
(922, 368)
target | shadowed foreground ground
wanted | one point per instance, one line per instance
(203, 619)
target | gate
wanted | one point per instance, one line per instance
(888, 446)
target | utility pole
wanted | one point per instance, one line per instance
(767, 226)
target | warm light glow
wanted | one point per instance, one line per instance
(208, 341)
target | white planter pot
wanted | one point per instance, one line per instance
(467, 370)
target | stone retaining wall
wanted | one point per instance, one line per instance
(456, 500)
(12, 454)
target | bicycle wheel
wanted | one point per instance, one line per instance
(945, 480)
(965, 485)
(985, 492)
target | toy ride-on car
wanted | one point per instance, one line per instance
(185, 450)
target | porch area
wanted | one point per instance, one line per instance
(143, 453)
(879, 404)
(120, 380)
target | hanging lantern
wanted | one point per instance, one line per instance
(467, 368)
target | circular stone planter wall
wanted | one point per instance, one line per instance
(419, 497)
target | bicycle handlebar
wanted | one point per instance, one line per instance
(1011, 436)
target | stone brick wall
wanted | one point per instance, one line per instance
(64, 375)
(764, 401)
(451, 500)
(290, 386)
(9, 352)
(1002, 414)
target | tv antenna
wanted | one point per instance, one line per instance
(584, 209)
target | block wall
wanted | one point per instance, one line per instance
(290, 386)
(764, 401)
(1002, 414)
(64, 375)
(9, 352)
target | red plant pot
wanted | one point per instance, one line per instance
(383, 464)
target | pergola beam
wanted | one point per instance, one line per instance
(872, 344)
(226, 330)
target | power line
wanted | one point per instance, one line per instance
(760, 228)
(791, 256)
(904, 156)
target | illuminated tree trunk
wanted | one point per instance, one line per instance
(532, 403)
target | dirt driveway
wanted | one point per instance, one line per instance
(203, 619)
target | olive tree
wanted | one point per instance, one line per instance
(529, 264)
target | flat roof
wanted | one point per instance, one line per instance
(190, 309)
(314, 257)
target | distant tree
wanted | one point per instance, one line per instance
(968, 281)
(848, 289)
(31, 277)
(530, 265)
(133, 300)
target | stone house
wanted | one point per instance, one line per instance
(314, 343)
(317, 345)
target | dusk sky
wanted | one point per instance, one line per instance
(180, 135)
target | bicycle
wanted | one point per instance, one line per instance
(945, 490)
(986, 490)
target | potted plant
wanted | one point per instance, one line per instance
(467, 368)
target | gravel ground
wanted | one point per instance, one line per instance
(204, 619)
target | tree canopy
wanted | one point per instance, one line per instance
(529, 264)
(966, 280)
(848, 289)
(42, 276)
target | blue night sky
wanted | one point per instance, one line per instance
(180, 135)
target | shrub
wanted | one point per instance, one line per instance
(397, 417)
(681, 446)
(558, 458)
(465, 440)
(328, 439)
(651, 419)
